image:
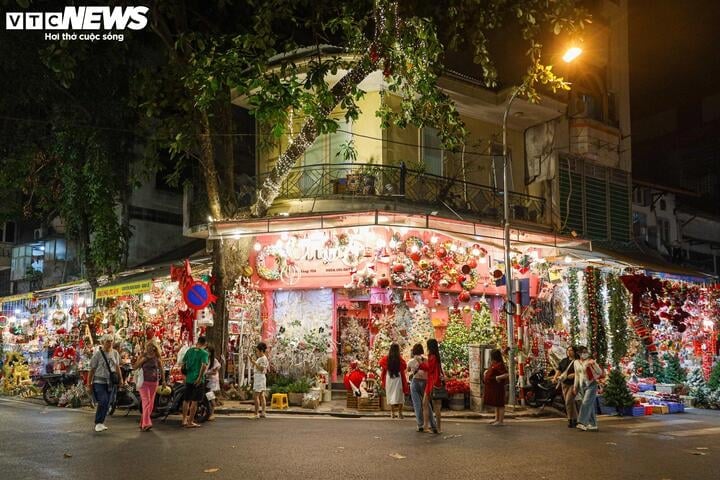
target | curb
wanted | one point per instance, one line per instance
(308, 412)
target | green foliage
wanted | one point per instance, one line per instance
(714, 380)
(573, 299)
(641, 366)
(616, 392)
(454, 345)
(596, 332)
(300, 386)
(672, 372)
(618, 318)
(481, 329)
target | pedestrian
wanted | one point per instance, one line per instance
(495, 380)
(565, 374)
(587, 374)
(393, 380)
(213, 376)
(418, 382)
(194, 366)
(261, 364)
(104, 376)
(152, 373)
(435, 377)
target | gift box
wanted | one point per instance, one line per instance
(648, 409)
(676, 407)
(638, 411)
(645, 387)
(660, 409)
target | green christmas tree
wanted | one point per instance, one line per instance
(673, 372)
(714, 381)
(699, 388)
(695, 380)
(454, 345)
(354, 343)
(616, 392)
(641, 366)
(481, 329)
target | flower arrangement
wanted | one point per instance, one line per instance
(455, 387)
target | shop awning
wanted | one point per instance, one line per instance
(16, 298)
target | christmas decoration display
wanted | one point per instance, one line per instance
(354, 343)
(617, 319)
(421, 329)
(481, 329)
(454, 345)
(672, 372)
(574, 311)
(597, 337)
(616, 392)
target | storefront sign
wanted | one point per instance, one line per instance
(16, 298)
(133, 288)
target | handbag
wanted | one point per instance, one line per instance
(440, 393)
(139, 377)
(114, 377)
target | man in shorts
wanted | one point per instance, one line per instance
(195, 364)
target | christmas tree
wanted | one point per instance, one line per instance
(616, 392)
(454, 346)
(388, 333)
(481, 329)
(714, 381)
(695, 380)
(641, 366)
(673, 372)
(354, 343)
(421, 328)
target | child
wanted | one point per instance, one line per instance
(259, 381)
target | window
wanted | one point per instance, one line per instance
(497, 173)
(324, 150)
(664, 230)
(55, 250)
(431, 151)
(24, 258)
(7, 232)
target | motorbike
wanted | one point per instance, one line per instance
(541, 391)
(166, 405)
(127, 397)
(56, 384)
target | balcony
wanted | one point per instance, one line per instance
(344, 187)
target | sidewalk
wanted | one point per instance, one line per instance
(337, 408)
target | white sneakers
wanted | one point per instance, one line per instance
(587, 428)
(100, 427)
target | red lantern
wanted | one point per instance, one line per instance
(477, 307)
(407, 297)
(441, 252)
(464, 296)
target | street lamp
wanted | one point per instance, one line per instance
(511, 307)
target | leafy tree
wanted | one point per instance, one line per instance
(616, 392)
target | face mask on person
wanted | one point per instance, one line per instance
(585, 356)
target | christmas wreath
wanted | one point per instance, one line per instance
(402, 271)
(262, 270)
(468, 281)
(424, 277)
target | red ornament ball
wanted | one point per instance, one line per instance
(441, 252)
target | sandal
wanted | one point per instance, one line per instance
(192, 425)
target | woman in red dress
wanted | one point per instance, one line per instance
(495, 380)
(433, 368)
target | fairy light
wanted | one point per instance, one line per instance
(257, 247)
(433, 239)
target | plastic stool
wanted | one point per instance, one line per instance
(279, 401)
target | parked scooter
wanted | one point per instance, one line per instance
(541, 391)
(127, 397)
(166, 405)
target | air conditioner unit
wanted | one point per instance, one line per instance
(39, 233)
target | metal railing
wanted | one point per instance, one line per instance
(325, 181)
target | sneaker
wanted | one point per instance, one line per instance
(582, 427)
(100, 427)
(420, 429)
(592, 428)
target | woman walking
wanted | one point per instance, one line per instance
(587, 374)
(152, 369)
(418, 382)
(213, 379)
(565, 374)
(495, 380)
(435, 378)
(393, 379)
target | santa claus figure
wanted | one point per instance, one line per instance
(354, 378)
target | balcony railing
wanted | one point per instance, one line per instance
(326, 181)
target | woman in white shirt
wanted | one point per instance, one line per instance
(587, 374)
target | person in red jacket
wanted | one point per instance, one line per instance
(393, 379)
(435, 376)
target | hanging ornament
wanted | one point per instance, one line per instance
(464, 296)
(441, 252)
(407, 297)
(477, 307)
(435, 294)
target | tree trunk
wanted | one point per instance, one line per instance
(267, 194)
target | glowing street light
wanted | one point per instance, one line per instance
(571, 54)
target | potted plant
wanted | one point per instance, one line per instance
(297, 390)
(457, 389)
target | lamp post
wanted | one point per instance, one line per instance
(512, 308)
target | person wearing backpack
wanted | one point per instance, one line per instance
(587, 375)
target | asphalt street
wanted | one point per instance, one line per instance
(38, 442)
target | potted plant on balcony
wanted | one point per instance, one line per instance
(361, 178)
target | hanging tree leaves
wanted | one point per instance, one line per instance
(618, 311)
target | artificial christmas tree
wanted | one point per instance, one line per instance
(388, 333)
(698, 388)
(421, 328)
(641, 366)
(616, 392)
(714, 381)
(454, 345)
(673, 372)
(354, 343)
(481, 329)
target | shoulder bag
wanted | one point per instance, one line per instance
(440, 393)
(139, 376)
(114, 378)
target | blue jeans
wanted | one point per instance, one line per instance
(587, 415)
(417, 390)
(102, 393)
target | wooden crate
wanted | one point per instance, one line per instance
(368, 404)
(351, 401)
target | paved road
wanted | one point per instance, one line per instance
(34, 441)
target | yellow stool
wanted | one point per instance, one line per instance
(279, 401)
